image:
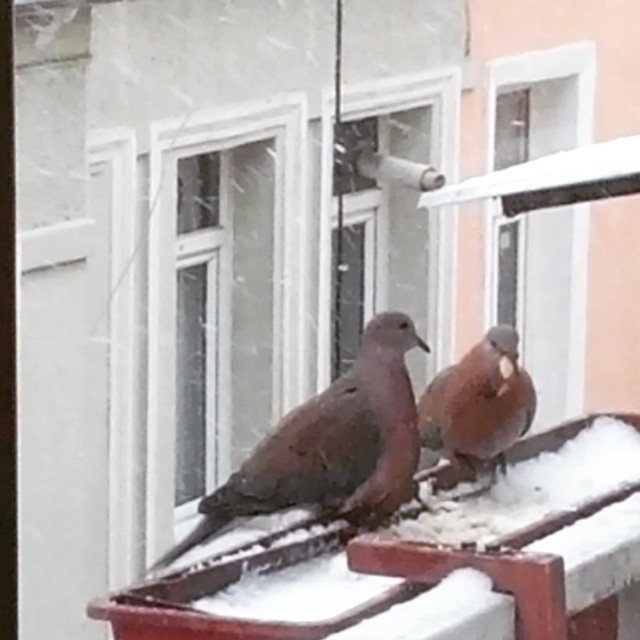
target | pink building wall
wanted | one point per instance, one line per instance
(500, 29)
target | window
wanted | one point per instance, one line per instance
(358, 280)
(199, 241)
(223, 280)
(198, 192)
(361, 202)
(350, 139)
(512, 128)
(408, 258)
(542, 103)
(511, 147)
(508, 252)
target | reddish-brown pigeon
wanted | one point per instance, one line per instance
(476, 409)
(352, 449)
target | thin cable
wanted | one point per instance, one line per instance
(141, 241)
(337, 364)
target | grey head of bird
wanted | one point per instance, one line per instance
(392, 330)
(504, 339)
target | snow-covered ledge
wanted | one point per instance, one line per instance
(601, 556)
(462, 607)
(601, 553)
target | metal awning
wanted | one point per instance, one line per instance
(603, 170)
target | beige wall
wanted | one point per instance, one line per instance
(505, 28)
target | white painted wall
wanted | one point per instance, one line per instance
(158, 58)
(63, 472)
(127, 65)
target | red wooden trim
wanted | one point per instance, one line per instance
(535, 580)
(598, 622)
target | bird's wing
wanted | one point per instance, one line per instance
(430, 408)
(321, 450)
(531, 401)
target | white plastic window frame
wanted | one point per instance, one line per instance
(282, 119)
(212, 247)
(440, 90)
(498, 221)
(116, 148)
(577, 61)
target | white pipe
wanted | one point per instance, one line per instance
(422, 177)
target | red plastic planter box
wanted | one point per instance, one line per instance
(160, 609)
(131, 622)
(536, 581)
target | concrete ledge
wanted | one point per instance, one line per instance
(54, 245)
(55, 33)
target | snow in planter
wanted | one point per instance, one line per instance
(599, 459)
(318, 589)
(250, 531)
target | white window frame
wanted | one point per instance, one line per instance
(284, 120)
(117, 149)
(212, 247)
(440, 90)
(576, 60)
(364, 207)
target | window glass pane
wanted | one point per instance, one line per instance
(508, 272)
(352, 293)
(191, 384)
(198, 192)
(511, 147)
(512, 128)
(350, 139)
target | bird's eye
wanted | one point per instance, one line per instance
(404, 325)
(493, 344)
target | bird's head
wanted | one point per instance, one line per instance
(504, 340)
(393, 330)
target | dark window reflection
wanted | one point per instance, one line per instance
(512, 128)
(350, 139)
(191, 384)
(508, 272)
(352, 293)
(198, 192)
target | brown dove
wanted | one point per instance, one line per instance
(478, 408)
(352, 449)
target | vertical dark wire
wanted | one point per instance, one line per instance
(337, 366)
(8, 406)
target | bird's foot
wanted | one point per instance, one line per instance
(475, 472)
(424, 506)
(500, 467)
(416, 497)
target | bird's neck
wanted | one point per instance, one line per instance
(383, 369)
(370, 354)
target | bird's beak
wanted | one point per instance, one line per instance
(422, 344)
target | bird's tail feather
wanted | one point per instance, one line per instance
(205, 529)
